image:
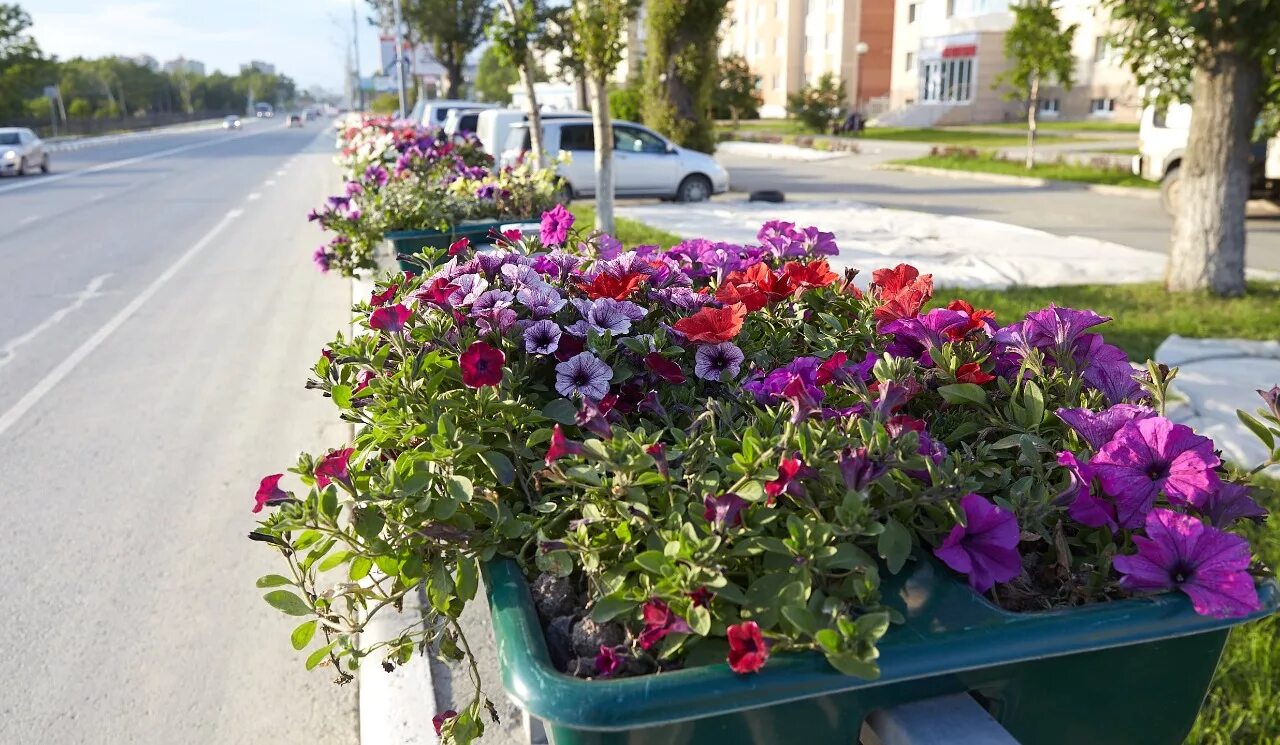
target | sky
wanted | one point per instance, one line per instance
(304, 39)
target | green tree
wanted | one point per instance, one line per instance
(1038, 49)
(680, 77)
(819, 106)
(598, 40)
(452, 28)
(736, 94)
(22, 66)
(1222, 56)
(513, 33)
(495, 76)
(385, 103)
(627, 103)
(79, 108)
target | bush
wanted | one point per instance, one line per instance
(819, 107)
(80, 109)
(626, 103)
(385, 103)
(736, 94)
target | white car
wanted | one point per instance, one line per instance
(493, 125)
(433, 112)
(21, 152)
(645, 164)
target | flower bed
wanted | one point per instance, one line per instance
(402, 177)
(720, 452)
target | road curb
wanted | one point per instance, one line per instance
(1027, 181)
(68, 144)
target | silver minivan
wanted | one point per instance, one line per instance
(645, 164)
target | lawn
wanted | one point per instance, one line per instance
(1098, 125)
(938, 136)
(1061, 171)
(630, 232)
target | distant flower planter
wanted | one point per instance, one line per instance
(1050, 678)
(399, 244)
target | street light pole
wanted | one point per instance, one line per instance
(355, 38)
(404, 94)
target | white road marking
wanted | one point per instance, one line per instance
(119, 163)
(28, 220)
(269, 182)
(97, 197)
(252, 196)
(280, 172)
(64, 368)
(10, 350)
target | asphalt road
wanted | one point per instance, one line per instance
(158, 314)
(1061, 210)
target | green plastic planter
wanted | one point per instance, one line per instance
(410, 242)
(1126, 672)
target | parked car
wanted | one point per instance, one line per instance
(493, 125)
(433, 112)
(645, 164)
(294, 120)
(231, 122)
(1162, 140)
(21, 151)
(458, 121)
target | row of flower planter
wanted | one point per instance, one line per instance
(400, 245)
(1124, 672)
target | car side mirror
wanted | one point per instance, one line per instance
(671, 149)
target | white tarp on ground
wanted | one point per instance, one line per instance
(958, 251)
(775, 150)
(1216, 377)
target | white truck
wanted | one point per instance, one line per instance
(1162, 140)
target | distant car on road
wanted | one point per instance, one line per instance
(295, 120)
(231, 122)
(645, 164)
(21, 152)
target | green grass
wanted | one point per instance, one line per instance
(989, 163)
(1100, 125)
(954, 137)
(630, 232)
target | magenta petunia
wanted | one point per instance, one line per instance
(748, 650)
(858, 469)
(1150, 456)
(269, 493)
(556, 223)
(660, 620)
(724, 511)
(985, 547)
(1086, 508)
(1228, 503)
(664, 368)
(1098, 427)
(561, 446)
(333, 467)
(439, 720)
(608, 662)
(481, 365)
(391, 318)
(1179, 552)
(377, 299)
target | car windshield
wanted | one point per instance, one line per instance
(8, 138)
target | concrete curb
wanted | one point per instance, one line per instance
(1027, 181)
(67, 144)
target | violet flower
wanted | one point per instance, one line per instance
(542, 337)
(985, 547)
(1179, 552)
(858, 468)
(1228, 503)
(606, 314)
(583, 374)
(724, 511)
(1148, 456)
(608, 662)
(1085, 508)
(542, 301)
(1097, 428)
(714, 361)
(556, 223)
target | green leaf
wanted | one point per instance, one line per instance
(800, 617)
(302, 635)
(342, 396)
(828, 639)
(849, 664)
(872, 625)
(318, 656)
(700, 620)
(273, 580)
(360, 568)
(334, 560)
(1257, 428)
(1033, 400)
(610, 607)
(329, 502)
(893, 545)
(287, 602)
(460, 488)
(501, 466)
(468, 579)
(654, 562)
(369, 524)
(963, 393)
(561, 410)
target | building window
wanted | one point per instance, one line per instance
(779, 46)
(910, 62)
(1101, 49)
(777, 82)
(1102, 106)
(911, 13)
(781, 7)
(1049, 106)
(951, 8)
(831, 41)
(946, 80)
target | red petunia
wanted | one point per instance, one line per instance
(664, 368)
(333, 467)
(460, 245)
(713, 325)
(902, 292)
(377, 299)
(481, 365)
(561, 446)
(755, 287)
(978, 318)
(971, 372)
(390, 318)
(789, 470)
(747, 649)
(570, 347)
(814, 274)
(269, 493)
(438, 720)
(832, 369)
(606, 285)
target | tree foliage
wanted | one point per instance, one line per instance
(1038, 49)
(452, 28)
(680, 74)
(819, 106)
(21, 63)
(736, 94)
(495, 76)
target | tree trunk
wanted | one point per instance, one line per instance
(1209, 219)
(603, 131)
(526, 67)
(1033, 107)
(453, 70)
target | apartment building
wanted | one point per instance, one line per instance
(792, 43)
(947, 55)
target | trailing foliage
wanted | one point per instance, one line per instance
(680, 74)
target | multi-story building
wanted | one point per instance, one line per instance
(792, 43)
(948, 53)
(184, 65)
(266, 68)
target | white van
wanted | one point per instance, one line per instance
(1162, 140)
(645, 164)
(493, 125)
(434, 111)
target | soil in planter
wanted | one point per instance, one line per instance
(574, 639)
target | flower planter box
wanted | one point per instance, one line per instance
(400, 242)
(1123, 672)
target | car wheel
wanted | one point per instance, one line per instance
(22, 167)
(44, 163)
(695, 188)
(1170, 185)
(565, 195)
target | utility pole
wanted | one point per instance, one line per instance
(404, 94)
(355, 36)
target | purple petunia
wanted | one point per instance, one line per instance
(542, 337)
(985, 547)
(1097, 428)
(1148, 456)
(921, 336)
(520, 277)
(1180, 552)
(606, 314)
(583, 374)
(714, 361)
(491, 300)
(542, 301)
(556, 223)
(1106, 367)
(376, 174)
(724, 511)
(768, 389)
(1228, 503)
(1086, 508)
(470, 288)
(321, 258)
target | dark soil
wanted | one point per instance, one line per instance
(573, 638)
